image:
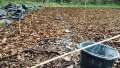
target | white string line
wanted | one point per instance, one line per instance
(77, 50)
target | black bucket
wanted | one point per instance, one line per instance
(98, 56)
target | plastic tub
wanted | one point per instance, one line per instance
(98, 56)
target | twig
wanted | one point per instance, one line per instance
(118, 32)
(19, 26)
(116, 41)
(31, 20)
(77, 50)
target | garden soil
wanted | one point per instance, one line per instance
(51, 32)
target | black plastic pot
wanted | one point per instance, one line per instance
(98, 56)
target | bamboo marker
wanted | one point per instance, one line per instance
(19, 26)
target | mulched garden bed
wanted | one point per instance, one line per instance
(51, 32)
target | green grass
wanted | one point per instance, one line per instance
(1, 23)
(28, 3)
(2, 3)
(79, 5)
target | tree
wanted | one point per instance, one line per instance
(117, 1)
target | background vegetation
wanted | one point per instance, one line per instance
(70, 3)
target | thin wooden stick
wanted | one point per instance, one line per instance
(19, 26)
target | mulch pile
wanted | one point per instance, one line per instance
(46, 33)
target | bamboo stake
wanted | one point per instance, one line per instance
(19, 26)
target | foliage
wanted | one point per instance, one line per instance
(69, 3)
